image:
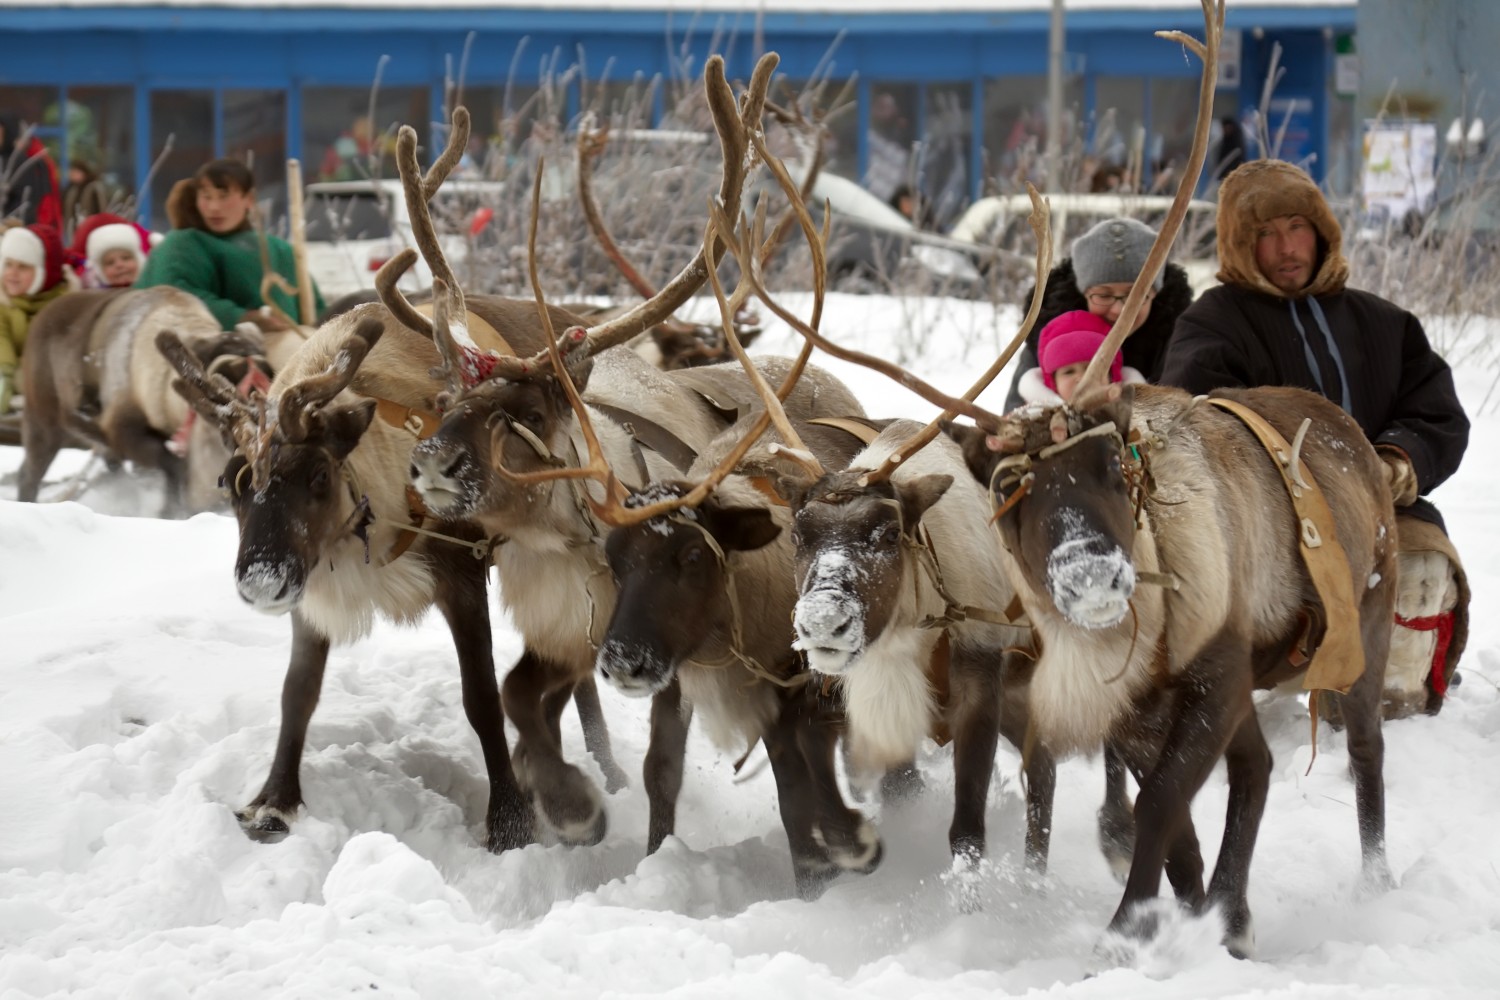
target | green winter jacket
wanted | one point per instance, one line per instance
(223, 271)
(15, 319)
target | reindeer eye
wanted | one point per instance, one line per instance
(796, 538)
(692, 555)
(891, 535)
(319, 479)
(533, 421)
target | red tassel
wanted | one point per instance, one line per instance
(1442, 623)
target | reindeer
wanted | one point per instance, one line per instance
(552, 571)
(1172, 555)
(92, 376)
(318, 480)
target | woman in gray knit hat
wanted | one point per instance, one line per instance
(1104, 264)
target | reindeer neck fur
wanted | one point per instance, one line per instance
(553, 576)
(887, 694)
(133, 369)
(344, 591)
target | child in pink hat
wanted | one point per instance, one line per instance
(1063, 351)
(109, 251)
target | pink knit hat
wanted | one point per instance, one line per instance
(1074, 338)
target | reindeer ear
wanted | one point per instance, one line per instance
(741, 529)
(792, 487)
(978, 456)
(918, 495)
(343, 427)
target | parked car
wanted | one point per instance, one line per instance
(354, 227)
(1001, 222)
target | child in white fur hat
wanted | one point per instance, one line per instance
(32, 275)
(109, 251)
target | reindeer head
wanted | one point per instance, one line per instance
(498, 427)
(674, 592)
(1066, 488)
(287, 476)
(850, 536)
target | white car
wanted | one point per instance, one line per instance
(1001, 222)
(354, 227)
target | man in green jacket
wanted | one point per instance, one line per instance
(213, 251)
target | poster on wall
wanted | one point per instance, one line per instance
(1400, 162)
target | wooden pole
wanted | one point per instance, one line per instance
(306, 309)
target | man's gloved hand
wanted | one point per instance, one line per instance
(1399, 475)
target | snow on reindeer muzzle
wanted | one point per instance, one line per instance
(1091, 579)
(830, 616)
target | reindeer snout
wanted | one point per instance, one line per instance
(633, 669)
(271, 587)
(439, 472)
(830, 629)
(1092, 581)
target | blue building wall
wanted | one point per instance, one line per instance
(220, 50)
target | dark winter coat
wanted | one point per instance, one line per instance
(31, 192)
(1246, 333)
(1144, 349)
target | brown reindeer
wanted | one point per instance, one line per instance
(551, 565)
(318, 480)
(92, 376)
(1165, 672)
(1170, 562)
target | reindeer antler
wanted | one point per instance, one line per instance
(1207, 51)
(1041, 225)
(817, 244)
(419, 189)
(591, 143)
(315, 390)
(217, 399)
(735, 124)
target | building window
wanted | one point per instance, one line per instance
(833, 100)
(946, 142)
(340, 141)
(100, 129)
(1015, 132)
(893, 129)
(182, 140)
(255, 133)
(501, 121)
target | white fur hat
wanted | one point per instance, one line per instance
(22, 245)
(116, 236)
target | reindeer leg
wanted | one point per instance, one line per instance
(1361, 710)
(1184, 859)
(849, 838)
(1248, 760)
(1211, 700)
(812, 868)
(269, 815)
(41, 440)
(974, 716)
(663, 769)
(1116, 818)
(553, 702)
(563, 796)
(1041, 766)
(596, 734)
(461, 597)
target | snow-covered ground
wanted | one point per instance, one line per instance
(138, 709)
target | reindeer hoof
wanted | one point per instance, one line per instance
(812, 878)
(615, 780)
(859, 853)
(264, 824)
(509, 825)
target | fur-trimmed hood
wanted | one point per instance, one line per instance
(1033, 386)
(1261, 190)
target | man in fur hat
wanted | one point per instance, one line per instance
(1284, 316)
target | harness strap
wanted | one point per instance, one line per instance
(939, 679)
(1327, 564)
(651, 434)
(860, 430)
(421, 423)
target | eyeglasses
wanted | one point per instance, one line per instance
(1104, 300)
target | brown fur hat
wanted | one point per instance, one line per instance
(1261, 190)
(182, 205)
